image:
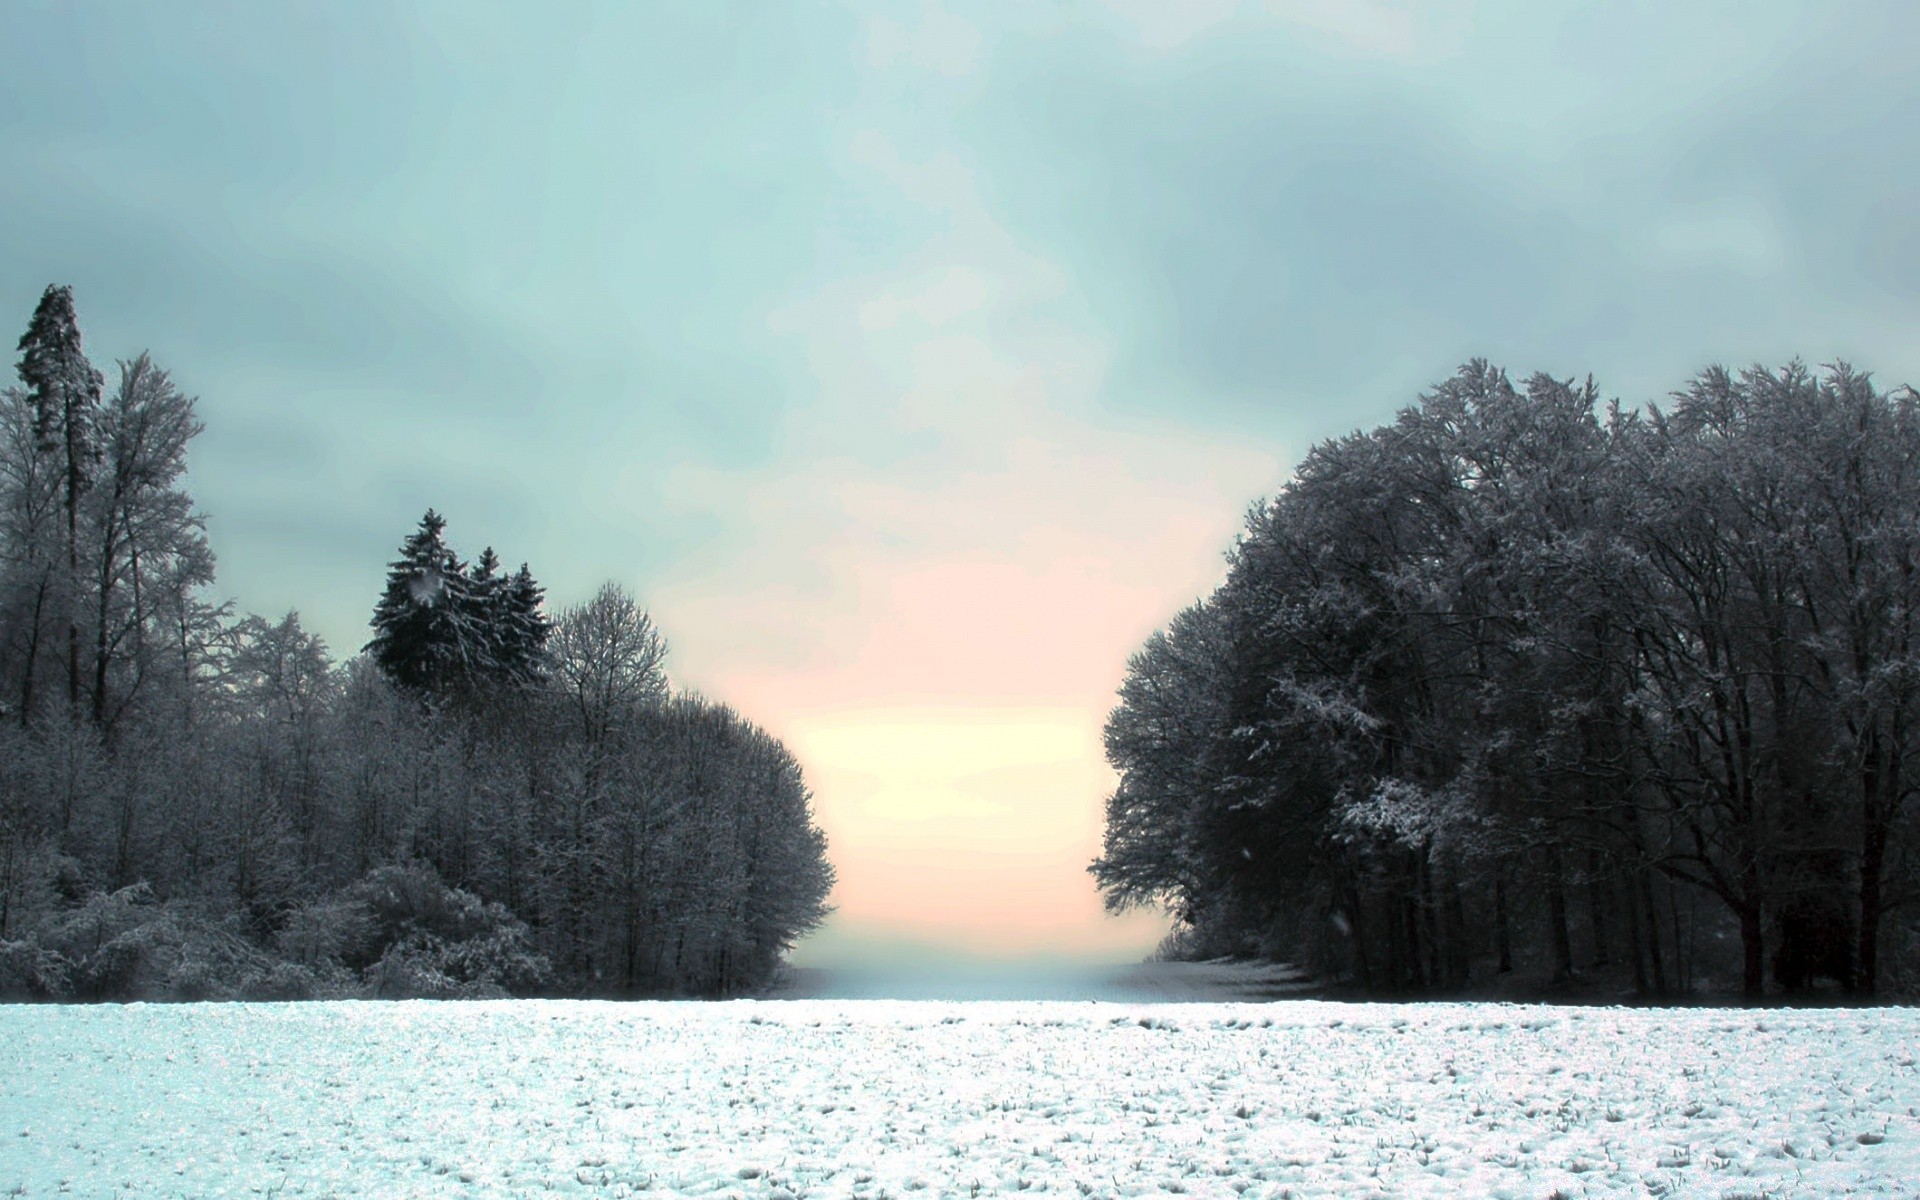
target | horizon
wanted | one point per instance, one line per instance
(912, 368)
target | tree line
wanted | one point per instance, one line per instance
(487, 801)
(1522, 685)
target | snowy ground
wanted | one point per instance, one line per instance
(909, 1099)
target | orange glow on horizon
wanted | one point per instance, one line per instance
(950, 826)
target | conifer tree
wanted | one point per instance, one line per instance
(64, 389)
(484, 616)
(525, 629)
(418, 624)
(444, 628)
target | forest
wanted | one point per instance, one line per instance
(1527, 691)
(486, 801)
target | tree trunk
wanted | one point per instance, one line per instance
(73, 574)
(1651, 914)
(1557, 933)
(1461, 966)
(1753, 959)
(1873, 855)
(1597, 911)
(33, 653)
(1429, 906)
(1502, 922)
(103, 602)
(1635, 950)
(1363, 971)
(1683, 938)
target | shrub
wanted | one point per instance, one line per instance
(125, 945)
(425, 939)
(30, 971)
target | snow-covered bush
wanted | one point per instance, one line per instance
(326, 932)
(208, 961)
(108, 939)
(284, 981)
(425, 939)
(30, 971)
(127, 945)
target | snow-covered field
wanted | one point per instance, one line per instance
(907, 1099)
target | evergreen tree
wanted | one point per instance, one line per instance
(488, 584)
(525, 630)
(63, 385)
(446, 629)
(484, 617)
(420, 623)
(64, 389)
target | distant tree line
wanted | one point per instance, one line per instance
(488, 801)
(1521, 684)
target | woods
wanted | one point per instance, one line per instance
(489, 800)
(1524, 685)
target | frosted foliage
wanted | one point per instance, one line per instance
(879, 1098)
(426, 588)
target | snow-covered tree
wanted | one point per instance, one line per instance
(524, 630)
(444, 630)
(147, 548)
(425, 638)
(1516, 682)
(63, 389)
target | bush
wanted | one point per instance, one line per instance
(30, 971)
(399, 932)
(326, 933)
(109, 940)
(298, 981)
(125, 945)
(425, 939)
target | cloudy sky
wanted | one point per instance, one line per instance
(913, 362)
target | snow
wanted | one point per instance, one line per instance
(874, 1098)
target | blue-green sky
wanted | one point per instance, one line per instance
(914, 361)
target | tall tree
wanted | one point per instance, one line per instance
(64, 389)
(31, 570)
(147, 545)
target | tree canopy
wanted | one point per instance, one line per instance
(195, 803)
(1521, 682)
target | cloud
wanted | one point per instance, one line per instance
(954, 295)
(1737, 235)
(1161, 26)
(1386, 29)
(933, 40)
(1402, 30)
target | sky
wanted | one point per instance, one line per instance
(913, 362)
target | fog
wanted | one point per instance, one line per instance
(915, 977)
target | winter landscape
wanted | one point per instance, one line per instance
(872, 1098)
(890, 599)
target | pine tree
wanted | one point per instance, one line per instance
(525, 629)
(420, 639)
(64, 389)
(64, 386)
(484, 615)
(485, 572)
(445, 629)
